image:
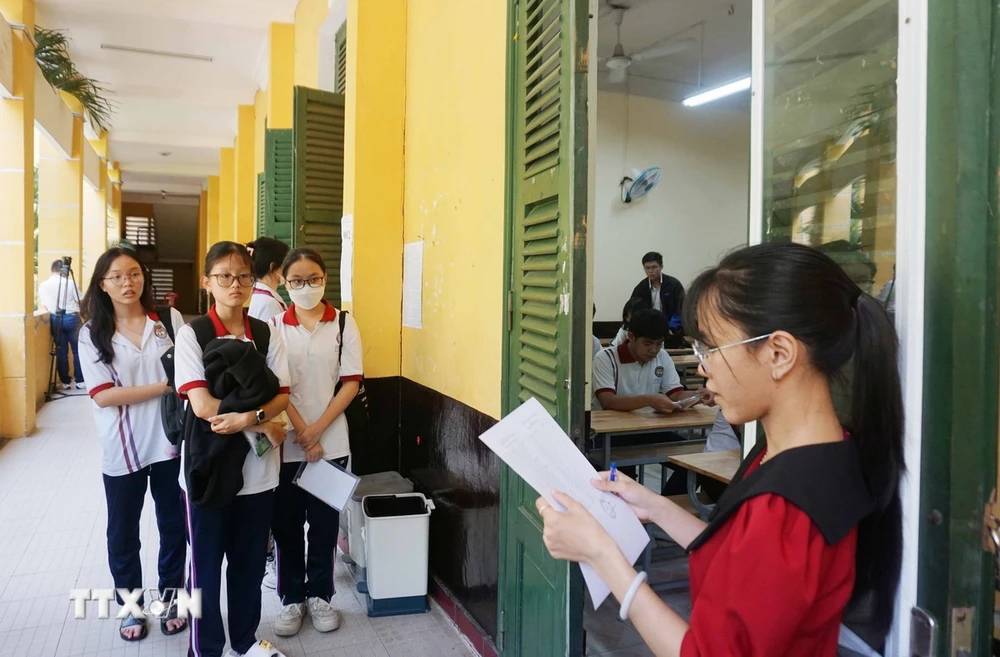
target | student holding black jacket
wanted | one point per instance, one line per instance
(228, 502)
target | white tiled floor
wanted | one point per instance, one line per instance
(52, 539)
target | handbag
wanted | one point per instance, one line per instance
(171, 406)
(357, 411)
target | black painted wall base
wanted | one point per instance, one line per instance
(434, 440)
(441, 452)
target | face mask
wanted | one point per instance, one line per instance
(307, 297)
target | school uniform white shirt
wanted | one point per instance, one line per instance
(132, 435)
(259, 474)
(595, 346)
(617, 371)
(315, 370)
(69, 300)
(620, 338)
(655, 293)
(265, 303)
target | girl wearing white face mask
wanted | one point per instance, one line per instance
(324, 381)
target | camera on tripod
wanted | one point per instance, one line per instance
(67, 262)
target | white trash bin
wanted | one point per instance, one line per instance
(396, 537)
(352, 520)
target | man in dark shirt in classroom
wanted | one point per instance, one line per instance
(665, 293)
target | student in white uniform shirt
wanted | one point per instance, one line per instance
(265, 302)
(635, 304)
(120, 349)
(237, 530)
(640, 374)
(268, 254)
(61, 297)
(324, 382)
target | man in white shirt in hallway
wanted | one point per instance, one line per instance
(61, 297)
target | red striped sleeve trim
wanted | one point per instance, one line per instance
(100, 388)
(354, 377)
(670, 392)
(600, 390)
(284, 390)
(190, 385)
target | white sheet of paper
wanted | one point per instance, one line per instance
(347, 258)
(413, 280)
(531, 442)
(328, 482)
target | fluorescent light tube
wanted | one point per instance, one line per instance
(717, 93)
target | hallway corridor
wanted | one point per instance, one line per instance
(52, 539)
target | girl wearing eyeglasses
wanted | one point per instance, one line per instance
(324, 361)
(230, 526)
(120, 348)
(803, 550)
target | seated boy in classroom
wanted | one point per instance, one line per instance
(640, 374)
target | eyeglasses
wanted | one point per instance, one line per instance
(703, 352)
(120, 279)
(226, 280)
(298, 283)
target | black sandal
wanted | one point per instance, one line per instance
(172, 615)
(132, 621)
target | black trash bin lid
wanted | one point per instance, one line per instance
(392, 506)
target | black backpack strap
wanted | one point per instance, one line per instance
(340, 346)
(261, 333)
(163, 312)
(204, 330)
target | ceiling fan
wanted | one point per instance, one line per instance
(619, 62)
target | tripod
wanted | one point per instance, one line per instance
(65, 276)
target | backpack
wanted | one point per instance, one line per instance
(357, 411)
(171, 406)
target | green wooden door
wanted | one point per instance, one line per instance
(545, 352)
(261, 204)
(959, 448)
(318, 202)
(279, 151)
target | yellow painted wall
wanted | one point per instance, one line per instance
(43, 359)
(281, 76)
(373, 174)
(259, 125)
(309, 17)
(227, 193)
(454, 195)
(212, 230)
(246, 178)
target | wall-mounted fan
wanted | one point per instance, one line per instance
(636, 187)
(618, 64)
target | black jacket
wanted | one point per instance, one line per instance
(671, 297)
(238, 375)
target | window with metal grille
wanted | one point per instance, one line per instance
(140, 231)
(163, 282)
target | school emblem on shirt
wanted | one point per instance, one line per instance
(659, 371)
(159, 330)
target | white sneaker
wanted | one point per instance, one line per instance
(289, 621)
(270, 580)
(80, 385)
(325, 618)
(66, 386)
(262, 648)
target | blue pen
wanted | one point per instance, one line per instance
(614, 471)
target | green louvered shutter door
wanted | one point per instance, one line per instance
(547, 343)
(279, 155)
(340, 82)
(261, 204)
(319, 178)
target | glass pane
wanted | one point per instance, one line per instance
(829, 114)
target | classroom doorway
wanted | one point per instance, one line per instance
(672, 179)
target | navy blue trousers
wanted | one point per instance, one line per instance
(300, 577)
(238, 532)
(125, 495)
